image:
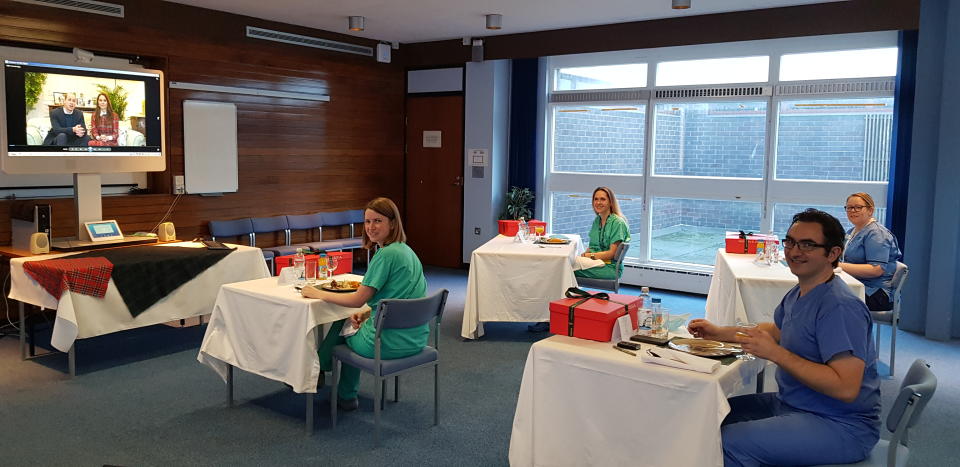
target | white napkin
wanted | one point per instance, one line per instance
(682, 360)
(287, 276)
(348, 330)
(587, 263)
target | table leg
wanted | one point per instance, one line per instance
(72, 360)
(310, 397)
(229, 385)
(23, 333)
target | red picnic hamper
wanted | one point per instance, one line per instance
(591, 316)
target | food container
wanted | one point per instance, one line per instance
(592, 318)
(746, 243)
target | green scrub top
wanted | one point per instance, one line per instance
(395, 272)
(601, 237)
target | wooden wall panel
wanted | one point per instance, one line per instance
(295, 156)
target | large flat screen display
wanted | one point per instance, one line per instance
(80, 118)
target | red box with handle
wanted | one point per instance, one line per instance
(591, 318)
(344, 261)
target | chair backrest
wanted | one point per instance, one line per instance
(355, 217)
(232, 228)
(305, 221)
(916, 390)
(269, 224)
(620, 253)
(407, 313)
(899, 278)
(336, 218)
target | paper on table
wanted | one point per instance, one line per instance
(587, 263)
(287, 276)
(682, 360)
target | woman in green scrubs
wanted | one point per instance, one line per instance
(393, 272)
(609, 230)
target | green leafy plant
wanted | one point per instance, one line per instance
(33, 85)
(118, 98)
(517, 204)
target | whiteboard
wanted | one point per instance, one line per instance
(209, 147)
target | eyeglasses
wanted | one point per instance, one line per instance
(803, 245)
(853, 208)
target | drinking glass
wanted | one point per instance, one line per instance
(539, 230)
(741, 328)
(310, 271)
(332, 262)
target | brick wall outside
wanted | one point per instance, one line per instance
(599, 141)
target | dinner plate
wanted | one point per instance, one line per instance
(329, 288)
(704, 347)
(556, 241)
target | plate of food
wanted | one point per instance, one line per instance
(704, 347)
(555, 240)
(340, 286)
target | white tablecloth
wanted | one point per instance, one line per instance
(80, 316)
(512, 281)
(270, 330)
(583, 403)
(741, 289)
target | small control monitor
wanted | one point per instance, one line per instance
(103, 230)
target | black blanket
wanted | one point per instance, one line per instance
(144, 275)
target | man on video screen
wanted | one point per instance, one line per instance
(67, 125)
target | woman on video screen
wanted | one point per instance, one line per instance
(105, 125)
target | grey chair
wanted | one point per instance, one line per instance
(607, 284)
(916, 390)
(892, 317)
(394, 314)
(239, 228)
(272, 225)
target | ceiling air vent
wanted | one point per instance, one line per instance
(714, 92)
(870, 86)
(86, 6)
(307, 41)
(599, 96)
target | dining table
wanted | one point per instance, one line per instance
(583, 402)
(513, 280)
(746, 291)
(266, 327)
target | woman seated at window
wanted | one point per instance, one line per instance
(105, 125)
(871, 252)
(394, 272)
(609, 230)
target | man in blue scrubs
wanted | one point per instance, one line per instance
(827, 409)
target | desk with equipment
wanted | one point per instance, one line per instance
(105, 291)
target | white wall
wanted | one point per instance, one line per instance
(486, 126)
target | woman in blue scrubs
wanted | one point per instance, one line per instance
(394, 272)
(609, 229)
(871, 252)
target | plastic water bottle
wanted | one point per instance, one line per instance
(522, 230)
(645, 314)
(323, 272)
(299, 267)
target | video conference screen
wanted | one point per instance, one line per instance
(61, 110)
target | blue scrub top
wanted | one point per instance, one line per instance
(827, 321)
(874, 244)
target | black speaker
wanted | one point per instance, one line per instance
(476, 50)
(42, 218)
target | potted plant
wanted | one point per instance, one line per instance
(517, 204)
(33, 86)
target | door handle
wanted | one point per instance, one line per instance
(458, 181)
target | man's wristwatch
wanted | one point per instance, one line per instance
(593, 256)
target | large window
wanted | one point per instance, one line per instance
(710, 139)
(701, 140)
(834, 139)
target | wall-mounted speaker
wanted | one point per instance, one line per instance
(39, 243)
(167, 233)
(476, 50)
(383, 53)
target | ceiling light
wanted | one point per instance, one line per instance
(494, 21)
(680, 4)
(356, 23)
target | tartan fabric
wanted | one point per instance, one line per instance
(88, 276)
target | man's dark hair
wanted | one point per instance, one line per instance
(833, 233)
